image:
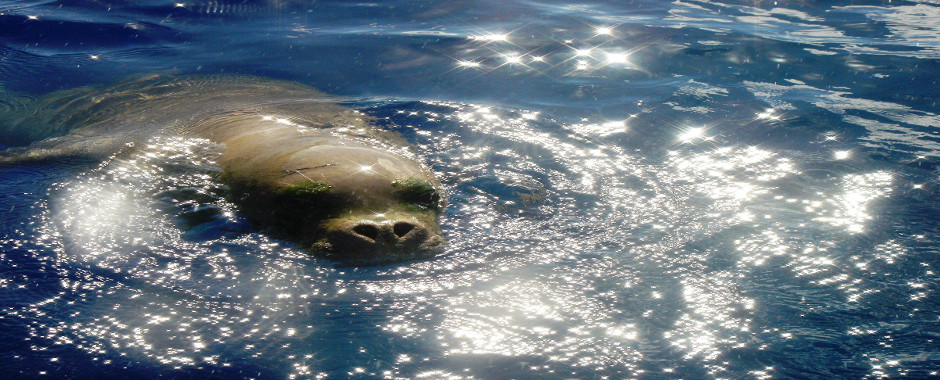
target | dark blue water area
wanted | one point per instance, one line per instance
(635, 189)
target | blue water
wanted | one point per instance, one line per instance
(635, 189)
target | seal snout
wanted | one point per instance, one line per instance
(376, 232)
(395, 240)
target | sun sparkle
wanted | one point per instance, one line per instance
(691, 134)
(513, 59)
(492, 37)
(768, 114)
(617, 58)
(582, 52)
(468, 64)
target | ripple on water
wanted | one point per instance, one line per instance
(564, 252)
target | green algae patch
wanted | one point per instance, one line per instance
(417, 191)
(306, 188)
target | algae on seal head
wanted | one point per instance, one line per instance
(300, 166)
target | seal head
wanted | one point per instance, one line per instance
(346, 201)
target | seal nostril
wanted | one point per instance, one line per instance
(369, 231)
(402, 228)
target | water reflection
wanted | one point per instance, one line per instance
(669, 233)
(850, 208)
(599, 50)
(566, 252)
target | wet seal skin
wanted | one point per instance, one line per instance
(299, 166)
(344, 202)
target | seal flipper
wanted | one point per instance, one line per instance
(51, 128)
(71, 148)
(25, 119)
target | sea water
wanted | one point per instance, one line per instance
(635, 189)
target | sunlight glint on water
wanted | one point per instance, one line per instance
(551, 249)
(683, 189)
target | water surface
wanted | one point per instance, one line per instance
(646, 189)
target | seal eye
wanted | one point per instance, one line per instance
(418, 192)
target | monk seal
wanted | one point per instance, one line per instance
(297, 164)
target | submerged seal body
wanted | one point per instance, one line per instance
(297, 164)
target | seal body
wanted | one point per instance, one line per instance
(297, 164)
